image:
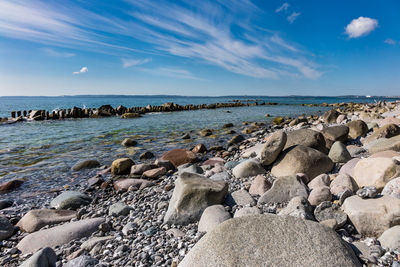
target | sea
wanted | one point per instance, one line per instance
(43, 152)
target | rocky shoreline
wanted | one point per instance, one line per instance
(316, 190)
(125, 112)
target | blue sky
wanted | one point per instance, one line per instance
(204, 47)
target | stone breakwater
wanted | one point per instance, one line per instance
(123, 112)
(309, 191)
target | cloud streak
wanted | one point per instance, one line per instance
(283, 7)
(82, 70)
(292, 17)
(200, 32)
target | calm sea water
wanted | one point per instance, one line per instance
(43, 152)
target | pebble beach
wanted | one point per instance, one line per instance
(313, 190)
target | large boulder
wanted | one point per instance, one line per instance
(348, 168)
(391, 238)
(271, 149)
(284, 189)
(386, 131)
(59, 235)
(306, 137)
(212, 217)
(193, 193)
(372, 216)
(250, 167)
(384, 144)
(357, 128)
(392, 188)
(45, 257)
(70, 200)
(36, 219)
(341, 183)
(268, 240)
(330, 116)
(335, 133)
(338, 153)
(301, 159)
(86, 164)
(121, 166)
(179, 156)
(376, 172)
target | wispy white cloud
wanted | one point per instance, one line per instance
(82, 70)
(128, 62)
(292, 17)
(390, 41)
(360, 27)
(198, 31)
(173, 72)
(55, 53)
(283, 7)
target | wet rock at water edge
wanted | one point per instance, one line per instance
(121, 166)
(85, 164)
(70, 200)
(6, 228)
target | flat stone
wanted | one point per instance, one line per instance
(301, 159)
(376, 172)
(36, 219)
(391, 238)
(328, 210)
(298, 207)
(392, 188)
(250, 167)
(192, 194)
(259, 186)
(271, 149)
(121, 166)
(179, 156)
(221, 176)
(268, 240)
(139, 169)
(59, 235)
(155, 173)
(243, 198)
(70, 200)
(247, 211)
(372, 216)
(6, 228)
(119, 209)
(86, 164)
(212, 217)
(45, 257)
(283, 190)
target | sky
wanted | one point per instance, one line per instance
(219, 47)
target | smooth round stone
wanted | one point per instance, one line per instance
(70, 200)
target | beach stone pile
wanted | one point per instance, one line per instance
(307, 191)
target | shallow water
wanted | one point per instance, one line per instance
(44, 152)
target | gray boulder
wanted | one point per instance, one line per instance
(306, 137)
(270, 240)
(58, 235)
(243, 198)
(212, 217)
(343, 182)
(283, 190)
(301, 159)
(192, 194)
(271, 149)
(391, 238)
(335, 133)
(247, 211)
(250, 167)
(70, 200)
(339, 153)
(45, 257)
(330, 116)
(357, 128)
(6, 228)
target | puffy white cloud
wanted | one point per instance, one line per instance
(283, 7)
(361, 27)
(390, 41)
(293, 17)
(82, 70)
(126, 63)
